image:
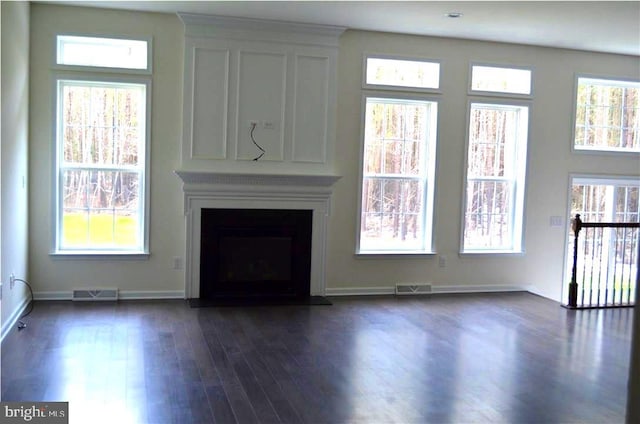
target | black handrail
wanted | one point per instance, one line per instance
(577, 225)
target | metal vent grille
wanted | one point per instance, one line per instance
(408, 289)
(94, 294)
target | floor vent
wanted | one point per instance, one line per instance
(408, 288)
(95, 294)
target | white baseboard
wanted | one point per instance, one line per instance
(150, 295)
(490, 288)
(435, 289)
(359, 291)
(15, 316)
(52, 295)
(122, 294)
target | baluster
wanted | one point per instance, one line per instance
(615, 268)
(600, 254)
(576, 225)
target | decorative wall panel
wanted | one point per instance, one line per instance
(310, 109)
(261, 100)
(210, 95)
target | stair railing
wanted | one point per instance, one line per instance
(605, 269)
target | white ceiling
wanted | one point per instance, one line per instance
(604, 26)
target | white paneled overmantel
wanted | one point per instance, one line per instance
(209, 190)
(269, 83)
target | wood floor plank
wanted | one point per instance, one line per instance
(499, 358)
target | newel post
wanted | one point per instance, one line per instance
(576, 226)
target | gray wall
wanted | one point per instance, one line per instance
(155, 276)
(550, 160)
(550, 163)
(15, 142)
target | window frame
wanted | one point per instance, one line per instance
(103, 69)
(506, 95)
(384, 87)
(518, 215)
(599, 150)
(430, 187)
(144, 167)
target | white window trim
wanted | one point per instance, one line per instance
(56, 180)
(518, 242)
(596, 150)
(430, 175)
(400, 87)
(500, 94)
(82, 68)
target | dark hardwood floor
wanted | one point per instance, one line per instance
(512, 358)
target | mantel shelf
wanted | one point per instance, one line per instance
(225, 178)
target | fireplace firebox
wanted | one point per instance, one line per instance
(255, 254)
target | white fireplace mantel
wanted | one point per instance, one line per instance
(253, 179)
(213, 190)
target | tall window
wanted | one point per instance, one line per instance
(101, 161)
(496, 165)
(398, 173)
(496, 160)
(607, 115)
(398, 156)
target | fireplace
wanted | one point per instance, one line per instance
(255, 253)
(280, 193)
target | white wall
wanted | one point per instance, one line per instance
(550, 162)
(57, 276)
(550, 159)
(15, 115)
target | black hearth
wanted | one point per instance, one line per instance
(255, 254)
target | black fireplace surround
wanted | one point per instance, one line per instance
(255, 254)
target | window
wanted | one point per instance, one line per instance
(101, 164)
(502, 80)
(102, 52)
(607, 115)
(496, 165)
(398, 169)
(400, 74)
(605, 200)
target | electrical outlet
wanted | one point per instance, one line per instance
(442, 261)
(253, 123)
(177, 262)
(555, 221)
(12, 281)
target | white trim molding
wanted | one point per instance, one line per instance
(233, 28)
(122, 295)
(209, 190)
(435, 289)
(13, 318)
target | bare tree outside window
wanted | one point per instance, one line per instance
(102, 134)
(395, 174)
(607, 115)
(495, 174)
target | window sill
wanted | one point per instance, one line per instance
(99, 254)
(394, 254)
(472, 253)
(602, 151)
